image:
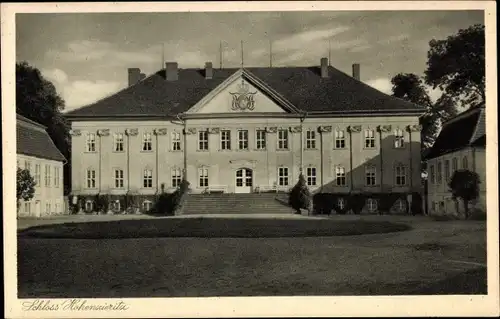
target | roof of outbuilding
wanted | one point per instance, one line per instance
(33, 140)
(301, 86)
(466, 129)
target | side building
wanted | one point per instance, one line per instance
(461, 144)
(37, 153)
(245, 130)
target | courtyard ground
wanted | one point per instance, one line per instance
(431, 258)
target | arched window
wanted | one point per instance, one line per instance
(371, 204)
(147, 205)
(465, 163)
(341, 203)
(89, 205)
(401, 206)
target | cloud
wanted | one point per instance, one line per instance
(302, 39)
(382, 84)
(80, 92)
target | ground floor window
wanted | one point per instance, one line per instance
(311, 176)
(27, 207)
(176, 177)
(283, 176)
(147, 205)
(401, 205)
(47, 207)
(341, 203)
(203, 177)
(89, 206)
(371, 204)
(117, 206)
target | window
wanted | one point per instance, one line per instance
(225, 140)
(434, 206)
(56, 177)
(27, 166)
(311, 176)
(47, 175)
(401, 205)
(47, 207)
(89, 206)
(176, 177)
(454, 165)
(465, 164)
(90, 178)
(439, 173)
(341, 203)
(310, 139)
(400, 175)
(57, 211)
(203, 177)
(282, 139)
(433, 175)
(446, 170)
(283, 176)
(27, 208)
(147, 142)
(37, 174)
(371, 205)
(176, 141)
(261, 139)
(370, 173)
(243, 139)
(203, 140)
(369, 138)
(147, 180)
(118, 178)
(340, 176)
(117, 206)
(399, 139)
(90, 142)
(339, 139)
(147, 205)
(118, 142)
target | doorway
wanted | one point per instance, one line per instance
(244, 180)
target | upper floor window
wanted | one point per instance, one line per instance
(446, 170)
(37, 174)
(47, 175)
(339, 139)
(118, 142)
(282, 139)
(311, 176)
(399, 139)
(439, 173)
(370, 172)
(340, 179)
(283, 176)
(310, 139)
(261, 139)
(465, 164)
(369, 138)
(176, 177)
(90, 178)
(454, 165)
(56, 177)
(203, 177)
(147, 180)
(90, 142)
(27, 166)
(147, 142)
(176, 141)
(203, 140)
(243, 139)
(119, 178)
(400, 175)
(433, 174)
(225, 139)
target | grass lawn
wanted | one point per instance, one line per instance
(432, 257)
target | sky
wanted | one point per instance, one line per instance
(86, 55)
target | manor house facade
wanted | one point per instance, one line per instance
(241, 130)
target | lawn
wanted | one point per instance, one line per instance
(432, 257)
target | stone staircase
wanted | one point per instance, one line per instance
(263, 203)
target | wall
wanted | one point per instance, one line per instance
(52, 194)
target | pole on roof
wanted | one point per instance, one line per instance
(242, 54)
(220, 54)
(329, 52)
(163, 56)
(270, 53)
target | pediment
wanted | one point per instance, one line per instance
(239, 94)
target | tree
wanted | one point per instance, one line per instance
(25, 186)
(456, 65)
(464, 184)
(410, 87)
(38, 100)
(300, 196)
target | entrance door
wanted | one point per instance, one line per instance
(38, 209)
(244, 180)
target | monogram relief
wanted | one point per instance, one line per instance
(243, 99)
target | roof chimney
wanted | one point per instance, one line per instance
(209, 71)
(324, 67)
(356, 71)
(171, 70)
(134, 76)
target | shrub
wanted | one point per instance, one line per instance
(299, 195)
(25, 186)
(386, 201)
(323, 203)
(416, 204)
(101, 203)
(464, 184)
(357, 203)
(167, 204)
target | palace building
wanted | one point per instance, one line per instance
(243, 130)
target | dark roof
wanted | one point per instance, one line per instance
(466, 129)
(33, 140)
(303, 87)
